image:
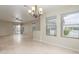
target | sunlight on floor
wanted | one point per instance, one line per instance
(17, 38)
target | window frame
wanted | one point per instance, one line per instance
(52, 17)
(62, 15)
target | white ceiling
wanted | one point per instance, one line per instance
(10, 12)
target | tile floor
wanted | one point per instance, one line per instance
(17, 44)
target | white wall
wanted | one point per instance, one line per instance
(6, 28)
(28, 30)
(58, 40)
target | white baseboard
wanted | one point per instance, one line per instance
(59, 45)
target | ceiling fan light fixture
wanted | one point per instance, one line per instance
(29, 11)
(33, 8)
(35, 11)
(40, 9)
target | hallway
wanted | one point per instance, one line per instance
(12, 44)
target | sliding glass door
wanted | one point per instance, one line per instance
(18, 29)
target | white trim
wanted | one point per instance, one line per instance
(59, 45)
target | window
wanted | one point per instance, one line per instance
(51, 26)
(70, 25)
(18, 29)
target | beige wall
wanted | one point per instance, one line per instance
(28, 30)
(6, 28)
(58, 40)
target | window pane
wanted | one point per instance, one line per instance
(51, 26)
(71, 25)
